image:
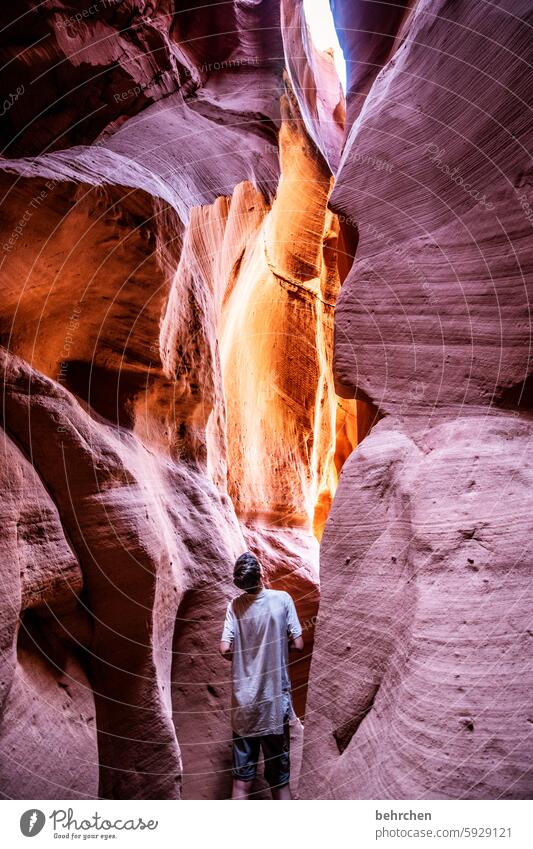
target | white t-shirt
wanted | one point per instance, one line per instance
(259, 627)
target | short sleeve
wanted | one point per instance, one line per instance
(294, 628)
(228, 632)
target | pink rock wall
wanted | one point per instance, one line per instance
(420, 683)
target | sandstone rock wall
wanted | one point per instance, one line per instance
(420, 683)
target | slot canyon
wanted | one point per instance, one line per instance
(246, 310)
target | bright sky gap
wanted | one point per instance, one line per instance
(320, 22)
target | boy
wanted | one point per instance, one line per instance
(260, 626)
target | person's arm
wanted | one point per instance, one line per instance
(226, 649)
(297, 644)
(228, 633)
(294, 629)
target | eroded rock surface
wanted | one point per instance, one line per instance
(420, 686)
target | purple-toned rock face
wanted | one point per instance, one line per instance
(435, 174)
(420, 683)
(191, 303)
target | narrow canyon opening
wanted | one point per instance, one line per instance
(279, 435)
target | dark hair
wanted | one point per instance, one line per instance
(247, 573)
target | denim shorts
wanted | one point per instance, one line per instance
(276, 754)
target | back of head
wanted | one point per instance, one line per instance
(247, 573)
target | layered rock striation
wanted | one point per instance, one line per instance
(420, 681)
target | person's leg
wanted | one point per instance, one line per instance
(241, 789)
(282, 792)
(245, 757)
(276, 752)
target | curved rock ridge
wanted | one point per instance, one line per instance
(419, 679)
(44, 689)
(420, 685)
(169, 273)
(434, 176)
(89, 67)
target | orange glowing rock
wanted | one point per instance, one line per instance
(275, 342)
